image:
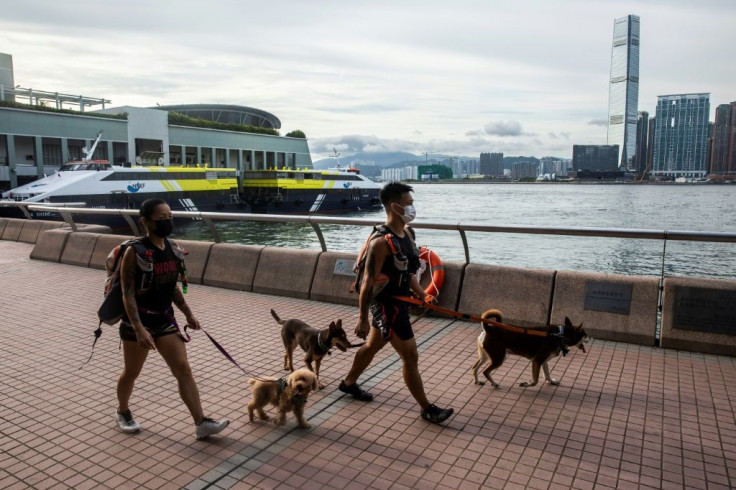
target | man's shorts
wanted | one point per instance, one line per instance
(128, 333)
(392, 318)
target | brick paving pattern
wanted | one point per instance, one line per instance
(624, 416)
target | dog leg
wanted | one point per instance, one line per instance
(281, 418)
(535, 376)
(317, 362)
(299, 414)
(290, 353)
(250, 411)
(545, 368)
(497, 359)
(482, 358)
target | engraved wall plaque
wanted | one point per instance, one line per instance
(705, 310)
(608, 297)
(344, 267)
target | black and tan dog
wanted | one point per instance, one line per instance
(315, 343)
(494, 343)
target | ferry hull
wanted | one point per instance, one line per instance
(297, 203)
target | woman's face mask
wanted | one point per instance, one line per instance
(409, 213)
(164, 227)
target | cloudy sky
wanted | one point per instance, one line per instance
(526, 77)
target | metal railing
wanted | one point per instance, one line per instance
(315, 221)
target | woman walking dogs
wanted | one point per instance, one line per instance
(391, 263)
(149, 288)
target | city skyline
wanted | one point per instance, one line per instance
(456, 79)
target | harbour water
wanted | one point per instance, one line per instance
(653, 207)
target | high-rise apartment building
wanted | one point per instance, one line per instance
(642, 132)
(623, 89)
(681, 136)
(723, 154)
(491, 164)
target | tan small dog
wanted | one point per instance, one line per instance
(288, 394)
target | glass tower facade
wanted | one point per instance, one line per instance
(681, 136)
(623, 89)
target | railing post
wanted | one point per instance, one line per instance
(212, 228)
(318, 231)
(26, 212)
(465, 245)
(68, 218)
(132, 224)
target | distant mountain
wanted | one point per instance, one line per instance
(381, 159)
(402, 158)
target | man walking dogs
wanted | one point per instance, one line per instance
(392, 260)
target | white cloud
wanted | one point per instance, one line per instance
(527, 77)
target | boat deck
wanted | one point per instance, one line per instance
(624, 416)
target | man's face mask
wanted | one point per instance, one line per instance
(409, 213)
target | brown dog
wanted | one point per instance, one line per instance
(289, 395)
(315, 343)
(494, 343)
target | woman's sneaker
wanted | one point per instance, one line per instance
(435, 414)
(210, 427)
(126, 423)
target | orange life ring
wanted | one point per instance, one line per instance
(436, 269)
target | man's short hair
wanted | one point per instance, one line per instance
(392, 192)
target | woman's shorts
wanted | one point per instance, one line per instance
(128, 333)
(392, 318)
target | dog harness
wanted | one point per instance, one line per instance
(297, 400)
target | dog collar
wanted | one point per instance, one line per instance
(321, 345)
(564, 348)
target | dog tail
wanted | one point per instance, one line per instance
(279, 320)
(252, 381)
(491, 314)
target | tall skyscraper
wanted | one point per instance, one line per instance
(681, 136)
(723, 156)
(623, 90)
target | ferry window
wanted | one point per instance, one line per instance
(211, 175)
(282, 175)
(317, 176)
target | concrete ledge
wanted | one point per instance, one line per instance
(32, 228)
(524, 296)
(30, 231)
(50, 245)
(450, 290)
(332, 285)
(102, 248)
(78, 248)
(13, 228)
(637, 327)
(232, 266)
(693, 340)
(196, 260)
(3, 222)
(285, 272)
(92, 228)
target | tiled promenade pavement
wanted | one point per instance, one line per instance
(624, 416)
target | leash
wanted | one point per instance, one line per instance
(475, 318)
(228, 356)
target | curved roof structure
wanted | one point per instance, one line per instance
(224, 113)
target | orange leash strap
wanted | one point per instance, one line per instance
(465, 316)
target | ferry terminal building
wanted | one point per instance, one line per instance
(34, 143)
